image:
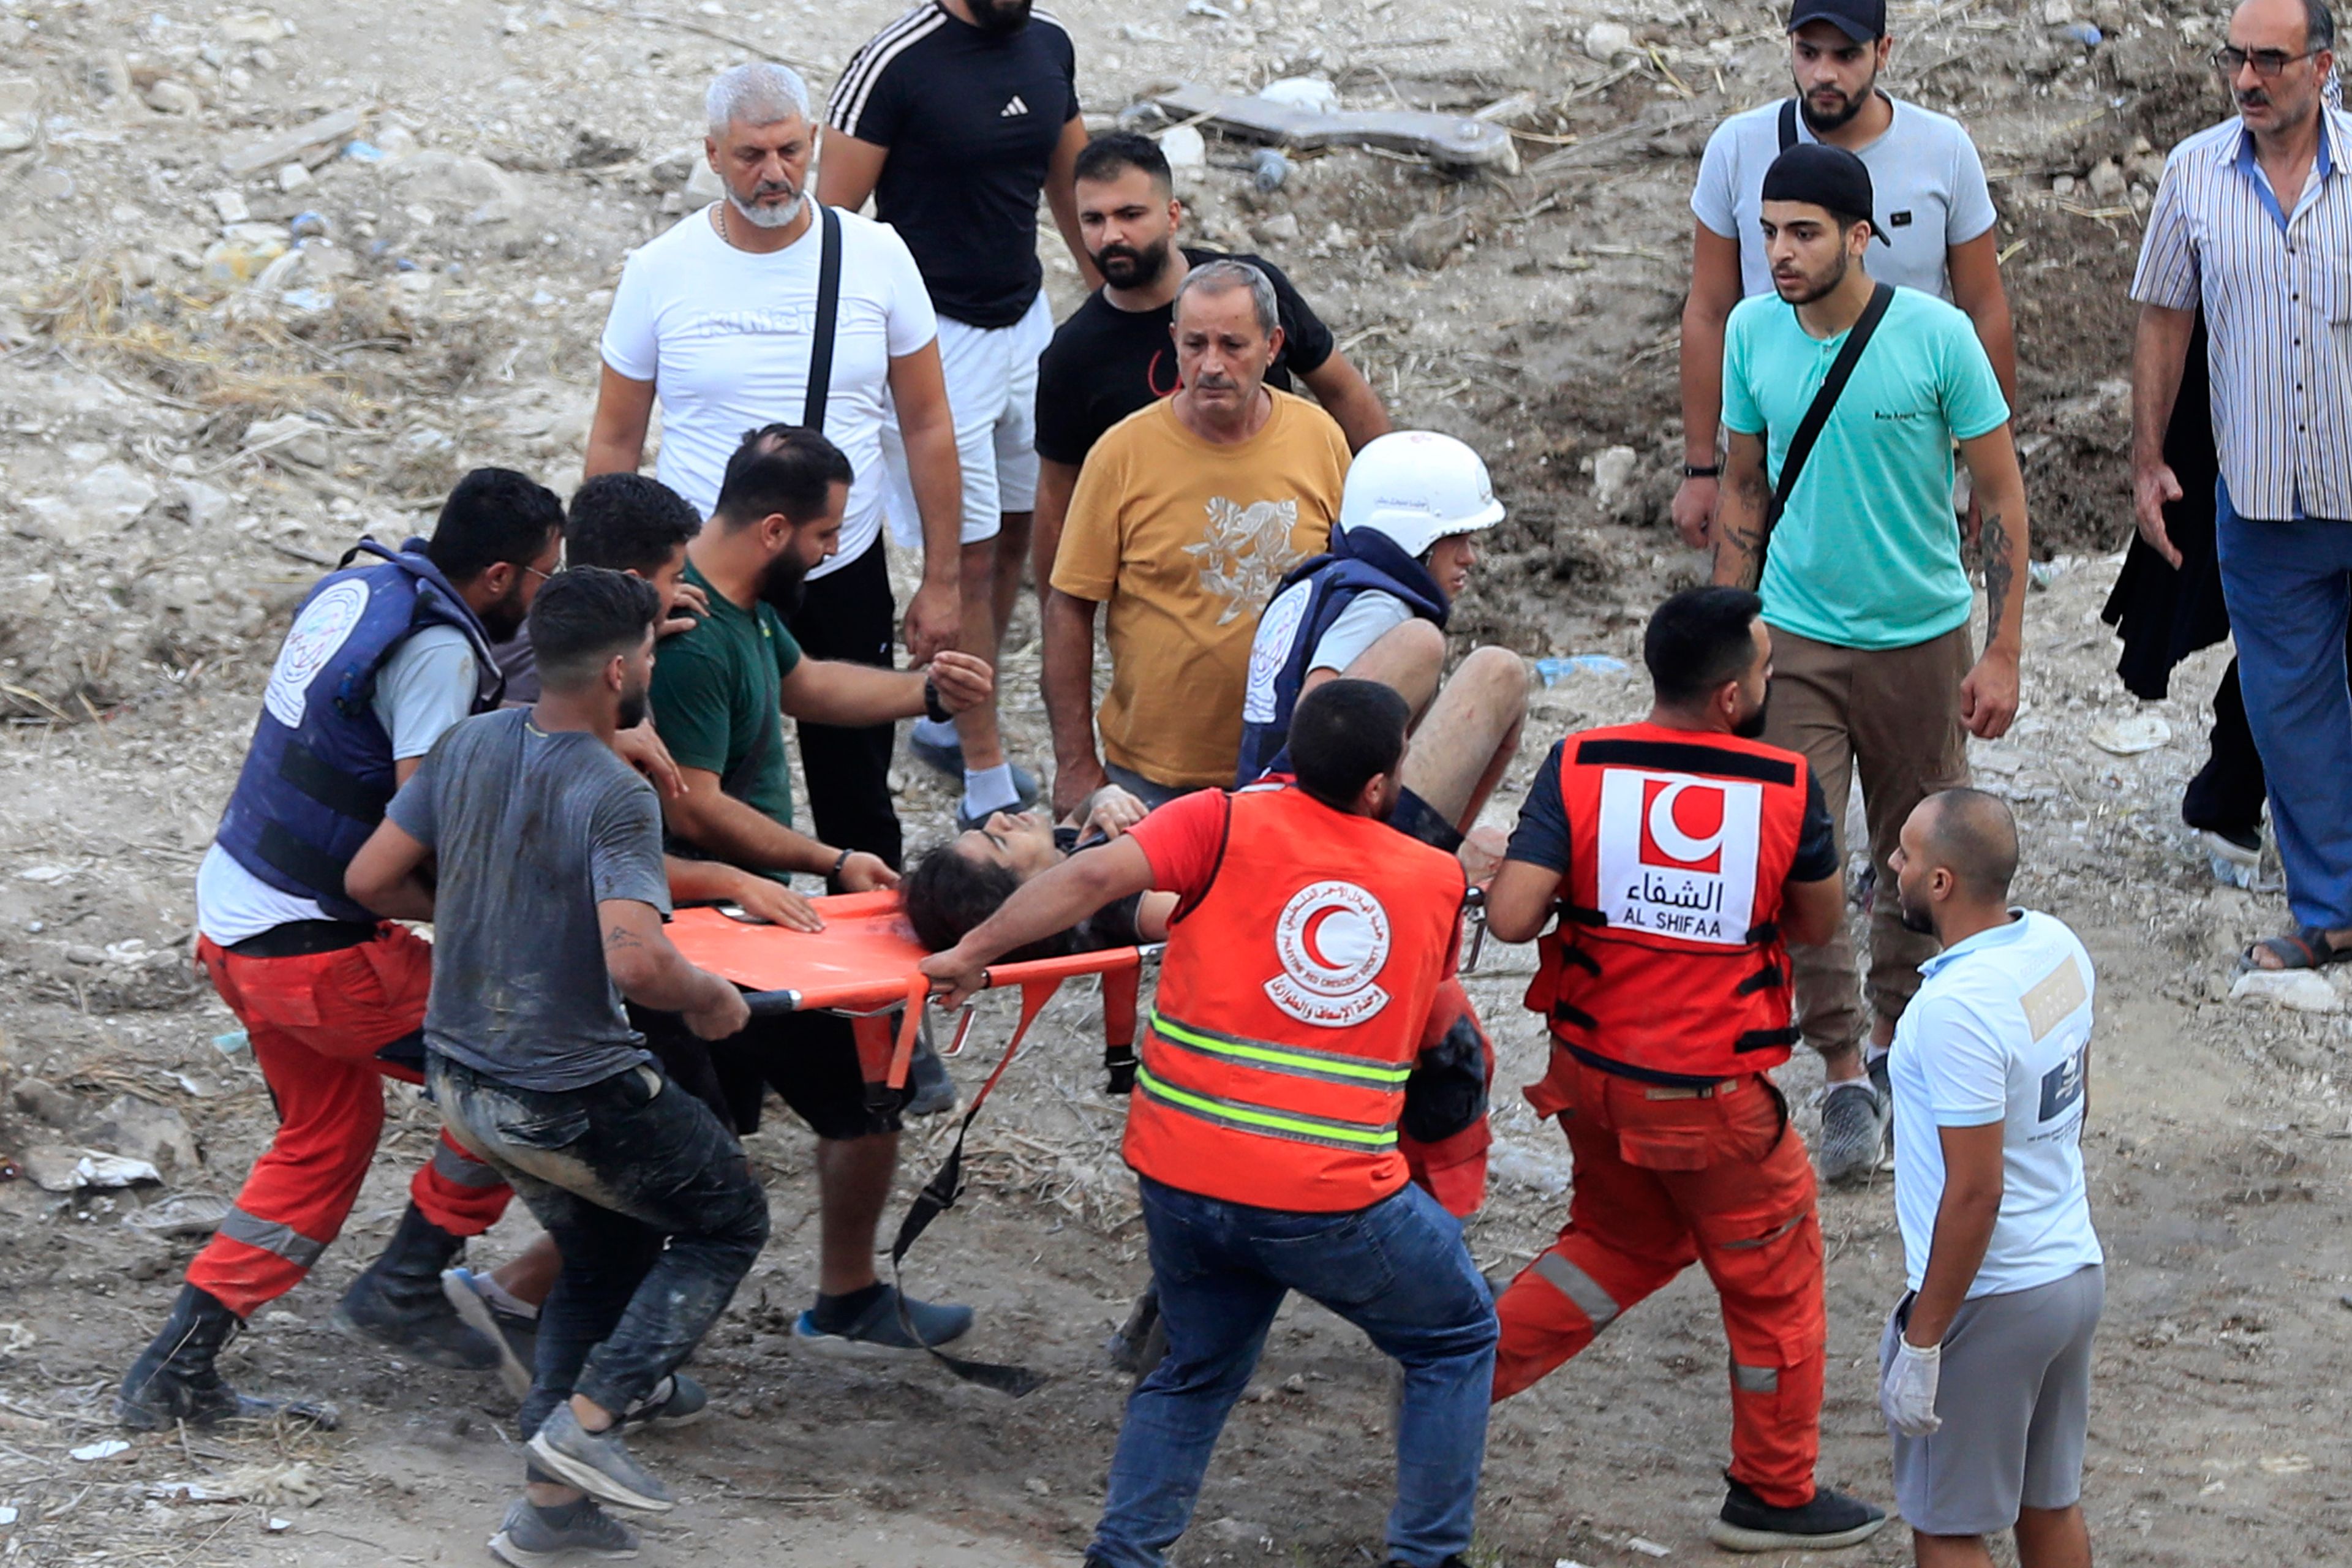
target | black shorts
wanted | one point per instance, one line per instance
(808, 1058)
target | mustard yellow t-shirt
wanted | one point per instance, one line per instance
(1184, 541)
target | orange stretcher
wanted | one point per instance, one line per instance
(864, 966)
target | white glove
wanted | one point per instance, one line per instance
(1907, 1394)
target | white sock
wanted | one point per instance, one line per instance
(988, 789)
(931, 733)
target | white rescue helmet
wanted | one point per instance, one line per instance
(1417, 487)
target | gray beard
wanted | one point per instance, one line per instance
(768, 217)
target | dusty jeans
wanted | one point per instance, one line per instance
(651, 1203)
(1893, 716)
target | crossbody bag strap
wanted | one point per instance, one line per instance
(828, 309)
(1817, 413)
(1788, 123)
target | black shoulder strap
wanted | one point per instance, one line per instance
(828, 308)
(1788, 123)
(1817, 413)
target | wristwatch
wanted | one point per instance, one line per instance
(935, 708)
(1702, 470)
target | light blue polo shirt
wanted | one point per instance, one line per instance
(1867, 554)
(2000, 1031)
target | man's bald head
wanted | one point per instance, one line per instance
(1974, 835)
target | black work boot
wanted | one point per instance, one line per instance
(398, 1301)
(175, 1379)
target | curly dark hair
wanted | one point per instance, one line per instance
(949, 894)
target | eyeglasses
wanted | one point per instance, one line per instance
(542, 576)
(2230, 59)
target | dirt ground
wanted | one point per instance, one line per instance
(180, 454)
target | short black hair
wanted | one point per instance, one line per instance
(627, 522)
(1113, 153)
(949, 894)
(494, 515)
(780, 468)
(583, 616)
(1343, 734)
(1698, 639)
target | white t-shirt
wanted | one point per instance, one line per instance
(1370, 617)
(2000, 1031)
(725, 336)
(423, 689)
(1925, 176)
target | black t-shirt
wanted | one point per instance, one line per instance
(1113, 925)
(1542, 839)
(970, 118)
(1104, 363)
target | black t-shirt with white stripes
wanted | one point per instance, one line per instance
(970, 118)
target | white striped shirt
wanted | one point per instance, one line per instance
(2277, 291)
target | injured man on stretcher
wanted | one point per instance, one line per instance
(1444, 1135)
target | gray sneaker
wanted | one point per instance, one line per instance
(929, 1090)
(527, 1541)
(596, 1463)
(1854, 1128)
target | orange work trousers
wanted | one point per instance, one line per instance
(316, 1022)
(1665, 1177)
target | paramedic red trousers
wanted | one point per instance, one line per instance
(1665, 1177)
(316, 1022)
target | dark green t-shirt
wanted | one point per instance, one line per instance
(717, 699)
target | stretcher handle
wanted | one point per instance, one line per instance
(775, 1004)
(771, 1003)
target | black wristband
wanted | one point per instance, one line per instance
(1702, 470)
(838, 862)
(932, 706)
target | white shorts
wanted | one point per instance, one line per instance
(991, 376)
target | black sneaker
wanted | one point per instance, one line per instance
(596, 1463)
(528, 1540)
(877, 1331)
(1831, 1520)
(1853, 1131)
(676, 1401)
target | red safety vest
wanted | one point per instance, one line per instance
(1292, 999)
(1667, 957)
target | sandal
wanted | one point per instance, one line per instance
(2306, 948)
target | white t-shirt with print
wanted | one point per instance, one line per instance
(2000, 1031)
(725, 337)
(1924, 176)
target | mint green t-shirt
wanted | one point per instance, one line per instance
(1867, 554)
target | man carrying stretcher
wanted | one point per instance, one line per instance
(1306, 960)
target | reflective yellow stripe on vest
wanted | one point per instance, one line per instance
(1242, 1116)
(1330, 1065)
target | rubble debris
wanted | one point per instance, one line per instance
(1613, 474)
(1604, 41)
(1425, 242)
(2130, 734)
(2304, 990)
(58, 1168)
(272, 151)
(1454, 141)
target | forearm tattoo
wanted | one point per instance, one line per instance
(1999, 575)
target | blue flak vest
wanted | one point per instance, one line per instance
(320, 772)
(1311, 600)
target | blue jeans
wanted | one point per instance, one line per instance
(1398, 1270)
(2289, 589)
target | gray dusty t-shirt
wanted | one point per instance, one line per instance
(1924, 172)
(533, 831)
